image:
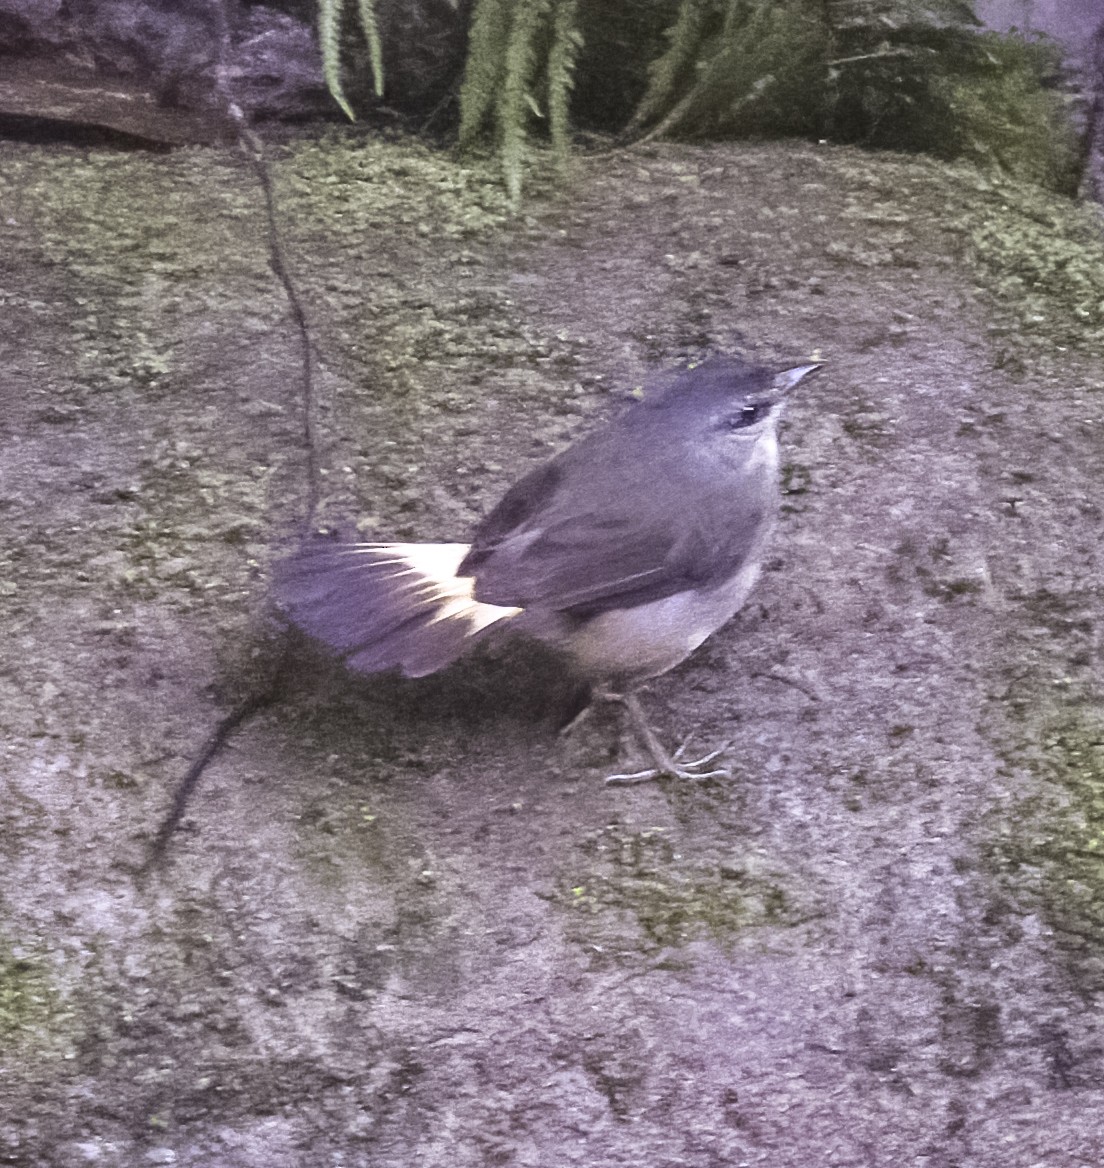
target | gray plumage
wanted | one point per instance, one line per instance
(626, 550)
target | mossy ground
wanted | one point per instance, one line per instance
(404, 921)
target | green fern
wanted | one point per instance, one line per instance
(520, 53)
(490, 31)
(756, 47)
(366, 10)
(737, 65)
(666, 75)
(516, 98)
(566, 43)
(329, 38)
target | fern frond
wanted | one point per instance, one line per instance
(757, 44)
(743, 67)
(329, 40)
(366, 10)
(487, 40)
(513, 105)
(566, 42)
(666, 74)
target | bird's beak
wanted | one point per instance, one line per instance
(788, 378)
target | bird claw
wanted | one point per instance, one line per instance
(667, 766)
(704, 759)
(678, 770)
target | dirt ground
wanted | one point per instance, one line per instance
(405, 923)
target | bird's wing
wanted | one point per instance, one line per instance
(533, 495)
(615, 556)
(599, 527)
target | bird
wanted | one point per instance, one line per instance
(624, 552)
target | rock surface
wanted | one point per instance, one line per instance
(403, 923)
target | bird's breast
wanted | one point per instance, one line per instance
(630, 644)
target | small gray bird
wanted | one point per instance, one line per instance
(625, 551)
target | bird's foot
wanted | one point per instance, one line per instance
(671, 767)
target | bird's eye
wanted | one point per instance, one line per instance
(748, 416)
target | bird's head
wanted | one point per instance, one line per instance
(724, 401)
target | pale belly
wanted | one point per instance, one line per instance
(635, 643)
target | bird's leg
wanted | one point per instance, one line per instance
(666, 765)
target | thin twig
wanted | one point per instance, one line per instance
(258, 700)
(253, 148)
(264, 696)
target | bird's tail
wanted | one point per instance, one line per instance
(385, 605)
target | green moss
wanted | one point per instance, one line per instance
(31, 1011)
(121, 229)
(1052, 847)
(631, 892)
(1041, 258)
(123, 232)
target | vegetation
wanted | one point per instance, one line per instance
(634, 891)
(330, 22)
(918, 75)
(1057, 867)
(521, 60)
